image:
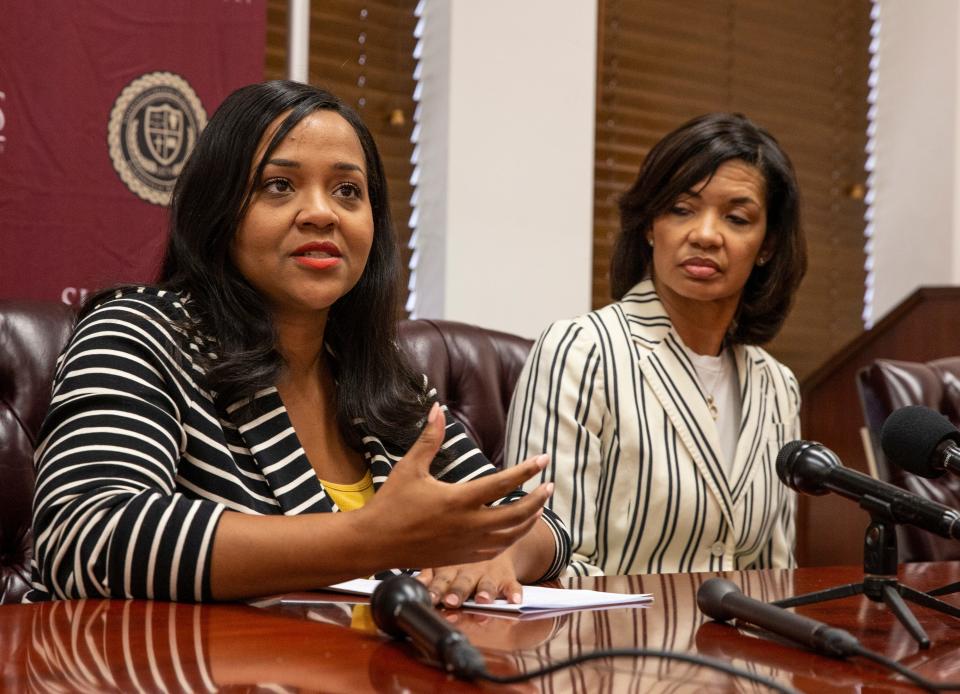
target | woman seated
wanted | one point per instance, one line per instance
(661, 415)
(208, 434)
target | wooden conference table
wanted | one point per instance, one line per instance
(104, 645)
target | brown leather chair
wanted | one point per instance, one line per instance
(473, 369)
(887, 385)
(31, 336)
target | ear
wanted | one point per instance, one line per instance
(766, 251)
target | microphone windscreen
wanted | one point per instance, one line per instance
(784, 460)
(710, 597)
(392, 594)
(910, 436)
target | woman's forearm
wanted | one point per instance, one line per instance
(412, 521)
(533, 554)
(263, 555)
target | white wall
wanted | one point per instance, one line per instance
(956, 146)
(917, 174)
(505, 189)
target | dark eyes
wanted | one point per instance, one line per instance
(279, 186)
(349, 190)
(735, 219)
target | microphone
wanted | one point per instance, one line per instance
(812, 468)
(401, 608)
(721, 600)
(921, 441)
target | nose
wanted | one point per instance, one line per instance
(316, 211)
(705, 231)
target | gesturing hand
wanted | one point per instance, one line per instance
(422, 522)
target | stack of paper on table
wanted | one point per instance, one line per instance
(535, 598)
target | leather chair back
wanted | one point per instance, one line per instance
(473, 369)
(887, 385)
(32, 334)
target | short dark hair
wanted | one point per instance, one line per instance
(690, 154)
(210, 198)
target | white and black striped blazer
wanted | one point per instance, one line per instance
(614, 400)
(135, 464)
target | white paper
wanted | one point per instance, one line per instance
(535, 598)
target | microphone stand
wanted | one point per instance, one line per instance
(946, 590)
(880, 576)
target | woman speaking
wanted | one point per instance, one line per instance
(661, 415)
(248, 426)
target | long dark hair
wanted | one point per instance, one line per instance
(690, 154)
(210, 198)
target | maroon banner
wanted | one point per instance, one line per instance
(100, 105)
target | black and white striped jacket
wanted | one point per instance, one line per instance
(614, 400)
(135, 464)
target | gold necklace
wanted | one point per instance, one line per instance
(709, 393)
(712, 406)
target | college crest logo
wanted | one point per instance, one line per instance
(153, 127)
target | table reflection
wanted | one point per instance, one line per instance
(110, 645)
(330, 643)
(671, 622)
(146, 646)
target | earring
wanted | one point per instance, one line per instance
(762, 260)
(650, 241)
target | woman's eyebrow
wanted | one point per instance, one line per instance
(739, 200)
(284, 162)
(347, 166)
(339, 166)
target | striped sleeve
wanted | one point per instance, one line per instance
(558, 408)
(783, 551)
(108, 519)
(463, 461)
(780, 545)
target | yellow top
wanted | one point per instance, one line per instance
(361, 619)
(350, 497)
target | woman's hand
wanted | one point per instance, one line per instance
(485, 580)
(525, 561)
(412, 521)
(415, 520)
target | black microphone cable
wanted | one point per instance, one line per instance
(722, 600)
(703, 661)
(914, 677)
(401, 608)
(441, 641)
(865, 653)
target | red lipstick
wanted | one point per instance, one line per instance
(317, 255)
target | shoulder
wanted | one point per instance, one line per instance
(578, 354)
(781, 376)
(145, 315)
(132, 340)
(138, 303)
(585, 331)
